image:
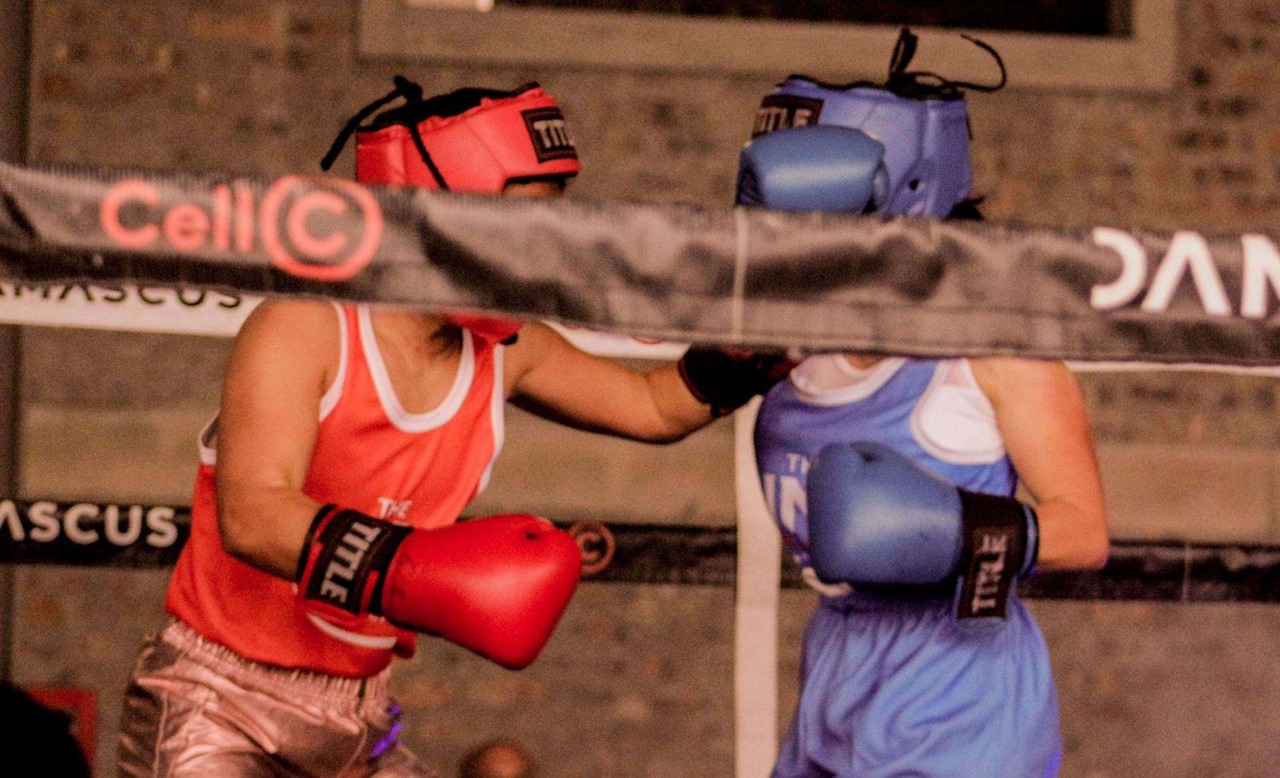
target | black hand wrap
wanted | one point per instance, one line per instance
(1001, 538)
(726, 379)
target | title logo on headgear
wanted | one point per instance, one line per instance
(781, 112)
(549, 133)
(319, 228)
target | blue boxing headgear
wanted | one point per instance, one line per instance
(901, 148)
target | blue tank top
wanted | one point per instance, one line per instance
(929, 410)
(889, 686)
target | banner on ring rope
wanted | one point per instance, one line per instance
(664, 271)
(113, 535)
(218, 313)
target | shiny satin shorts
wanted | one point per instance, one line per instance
(194, 707)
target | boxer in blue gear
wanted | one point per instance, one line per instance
(893, 480)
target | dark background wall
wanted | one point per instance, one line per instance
(638, 681)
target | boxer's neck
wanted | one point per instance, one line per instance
(420, 333)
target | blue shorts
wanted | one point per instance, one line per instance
(890, 687)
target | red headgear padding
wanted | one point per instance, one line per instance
(470, 140)
(480, 150)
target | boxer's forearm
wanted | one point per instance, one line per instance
(265, 527)
(1071, 538)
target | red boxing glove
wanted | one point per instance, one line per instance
(496, 586)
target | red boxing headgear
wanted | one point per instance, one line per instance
(469, 140)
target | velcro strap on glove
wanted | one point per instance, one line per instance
(998, 547)
(344, 561)
(726, 379)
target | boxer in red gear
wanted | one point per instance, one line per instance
(348, 442)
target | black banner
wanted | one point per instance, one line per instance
(150, 536)
(92, 533)
(685, 273)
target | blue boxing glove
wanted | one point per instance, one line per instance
(877, 517)
(813, 168)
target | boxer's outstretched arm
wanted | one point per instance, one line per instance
(286, 354)
(1042, 418)
(549, 376)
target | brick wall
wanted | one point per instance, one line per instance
(639, 680)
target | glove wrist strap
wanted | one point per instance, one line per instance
(345, 559)
(726, 380)
(997, 542)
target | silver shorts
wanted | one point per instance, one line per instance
(194, 707)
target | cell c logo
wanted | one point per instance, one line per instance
(319, 228)
(596, 543)
(325, 229)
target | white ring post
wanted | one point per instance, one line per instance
(755, 666)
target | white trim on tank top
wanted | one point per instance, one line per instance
(207, 441)
(954, 421)
(329, 400)
(380, 642)
(829, 379)
(400, 418)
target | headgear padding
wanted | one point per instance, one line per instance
(919, 119)
(469, 140)
(926, 142)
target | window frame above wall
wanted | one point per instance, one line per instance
(1143, 61)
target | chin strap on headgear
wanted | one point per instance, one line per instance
(469, 140)
(897, 148)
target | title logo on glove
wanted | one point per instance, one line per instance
(345, 565)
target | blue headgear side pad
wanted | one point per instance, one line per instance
(925, 141)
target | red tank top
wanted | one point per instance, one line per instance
(370, 455)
